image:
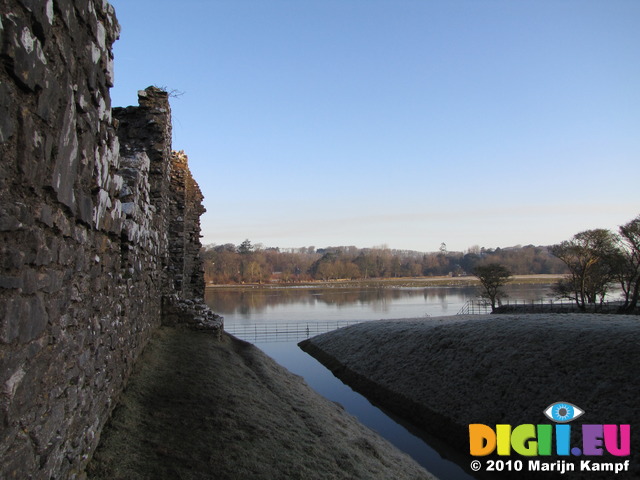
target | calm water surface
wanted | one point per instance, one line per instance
(263, 305)
(296, 310)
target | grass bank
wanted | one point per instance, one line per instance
(443, 374)
(202, 408)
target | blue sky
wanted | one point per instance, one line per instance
(396, 122)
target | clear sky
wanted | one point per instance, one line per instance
(400, 122)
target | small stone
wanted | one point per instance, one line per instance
(9, 223)
(9, 282)
(29, 281)
(85, 208)
(46, 215)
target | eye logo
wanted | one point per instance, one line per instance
(563, 412)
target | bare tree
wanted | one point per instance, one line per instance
(628, 270)
(589, 256)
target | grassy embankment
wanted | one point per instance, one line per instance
(202, 408)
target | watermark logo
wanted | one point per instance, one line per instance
(563, 412)
(544, 440)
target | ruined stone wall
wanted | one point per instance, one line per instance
(186, 268)
(193, 264)
(144, 133)
(84, 234)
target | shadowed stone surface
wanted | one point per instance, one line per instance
(86, 251)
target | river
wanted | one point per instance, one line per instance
(276, 319)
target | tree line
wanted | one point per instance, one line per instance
(598, 260)
(249, 263)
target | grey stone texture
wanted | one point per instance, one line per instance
(90, 254)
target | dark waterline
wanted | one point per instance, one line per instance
(289, 355)
(260, 307)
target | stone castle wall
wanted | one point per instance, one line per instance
(186, 268)
(99, 233)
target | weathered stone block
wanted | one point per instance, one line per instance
(29, 281)
(10, 319)
(7, 119)
(44, 256)
(32, 241)
(49, 282)
(37, 319)
(33, 149)
(66, 162)
(28, 65)
(85, 208)
(9, 222)
(20, 459)
(42, 11)
(62, 223)
(46, 215)
(10, 282)
(25, 318)
(11, 257)
(48, 100)
(65, 9)
(53, 421)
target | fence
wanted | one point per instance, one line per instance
(283, 332)
(473, 307)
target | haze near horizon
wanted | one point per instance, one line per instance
(405, 123)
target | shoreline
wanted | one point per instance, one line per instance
(401, 282)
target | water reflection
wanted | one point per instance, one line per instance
(247, 305)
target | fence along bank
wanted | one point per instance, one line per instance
(99, 226)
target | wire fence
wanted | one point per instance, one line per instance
(297, 331)
(283, 332)
(473, 307)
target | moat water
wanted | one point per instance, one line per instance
(275, 320)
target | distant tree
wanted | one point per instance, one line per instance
(366, 264)
(245, 247)
(395, 266)
(326, 271)
(324, 267)
(493, 277)
(590, 258)
(349, 270)
(254, 272)
(221, 264)
(227, 247)
(469, 261)
(474, 250)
